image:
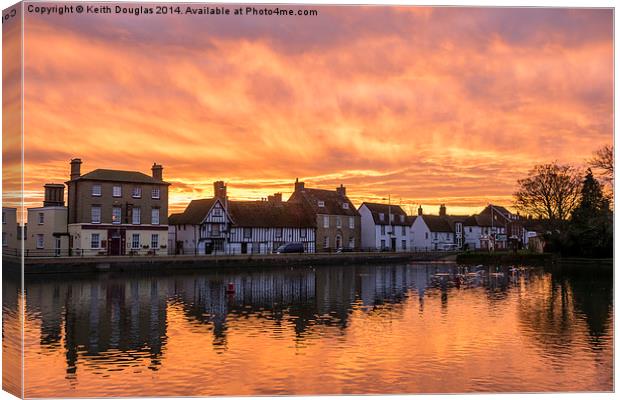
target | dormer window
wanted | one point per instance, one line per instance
(402, 218)
(381, 216)
(345, 206)
(321, 203)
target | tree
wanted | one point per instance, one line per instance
(603, 161)
(591, 225)
(550, 191)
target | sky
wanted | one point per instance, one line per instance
(424, 105)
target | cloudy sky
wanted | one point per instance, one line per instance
(427, 105)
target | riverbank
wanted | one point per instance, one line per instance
(160, 263)
(503, 258)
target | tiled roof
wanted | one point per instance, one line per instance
(119, 176)
(376, 209)
(268, 214)
(332, 200)
(436, 223)
(195, 212)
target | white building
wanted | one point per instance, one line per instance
(384, 227)
(492, 228)
(437, 232)
(47, 226)
(9, 231)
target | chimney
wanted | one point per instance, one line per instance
(75, 168)
(54, 195)
(158, 172)
(442, 210)
(276, 198)
(420, 210)
(299, 186)
(341, 190)
(219, 190)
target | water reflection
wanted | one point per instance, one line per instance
(105, 324)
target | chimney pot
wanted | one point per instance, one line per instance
(158, 172)
(420, 210)
(219, 190)
(442, 210)
(75, 168)
(299, 186)
(54, 195)
(341, 190)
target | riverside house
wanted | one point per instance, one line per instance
(384, 227)
(492, 228)
(338, 224)
(116, 212)
(9, 230)
(47, 234)
(221, 225)
(437, 232)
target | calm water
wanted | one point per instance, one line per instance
(325, 330)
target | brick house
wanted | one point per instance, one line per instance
(338, 223)
(117, 212)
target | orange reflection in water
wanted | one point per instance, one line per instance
(383, 329)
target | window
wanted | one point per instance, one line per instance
(404, 245)
(321, 203)
(381, 216)
(96, 190)
(278, 232)
(326, 242)
(247, 233)
(351, 223)
(338, 222)
(3, 217)
(136, 192)
(326, 221)
(217, 211)
(135, 216)
(154, 241)
(351, 243)
(155, 193)
(435, 235)
(391, 218)
(383, 229)
(404, 230)
(155, 216)
(402, 219)
(470, 229)
(40, 241)
(459, 227)
(135, 241)
(95, 214)
(215, 230)
(345, 206)
(383, 243)
(4, 240)
(94, 241)
(116, 191)
(425, 235)
(41, 218)
(116, 215)
(302, 233)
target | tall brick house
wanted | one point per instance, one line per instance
(337, 220)
(117, 212)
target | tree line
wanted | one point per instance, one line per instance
(574, 206)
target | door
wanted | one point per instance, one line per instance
(57, 247)
(115, 243)
(244, 248)
(393, 244)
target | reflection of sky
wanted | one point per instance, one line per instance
(425, 104)
(342, 322)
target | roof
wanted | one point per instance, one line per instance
(436, 223)
(376, 209)
(194, 213)
(118, 176)
(485, 219)
(269, 214)
(332, 200)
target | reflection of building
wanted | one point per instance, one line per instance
(117, 212)
(47, 233)
(337, 220)
(384, 226)
(9, 230)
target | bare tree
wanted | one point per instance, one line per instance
(551, 191)
(603, 161)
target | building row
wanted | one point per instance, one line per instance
(116, 213)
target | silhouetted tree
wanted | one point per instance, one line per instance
(603, 160)
(591, 226)
(551, 191)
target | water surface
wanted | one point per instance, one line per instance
(326, 330)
